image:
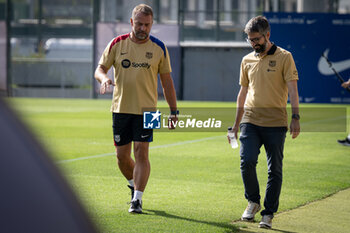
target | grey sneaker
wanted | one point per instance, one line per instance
(250, 211)
(266, 222)
(135, 207)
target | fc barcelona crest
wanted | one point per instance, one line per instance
(149, 55)
(272, 63)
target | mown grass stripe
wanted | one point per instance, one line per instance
(152, 147)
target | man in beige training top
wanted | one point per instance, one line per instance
(137, 59)
(267, 76)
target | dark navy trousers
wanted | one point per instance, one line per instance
(252, 138)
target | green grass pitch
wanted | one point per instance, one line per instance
(195, 183)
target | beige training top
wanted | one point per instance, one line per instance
(136, 67)
(266, 78)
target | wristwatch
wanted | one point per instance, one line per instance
(296, 116)
(174, 112)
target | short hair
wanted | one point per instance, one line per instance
(142, 8)
(257, 24)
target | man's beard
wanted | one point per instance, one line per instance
(141, 35)
(260, 48)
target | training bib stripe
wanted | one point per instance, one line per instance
(117, 39)
(159, 43)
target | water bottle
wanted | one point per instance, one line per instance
(233, 140)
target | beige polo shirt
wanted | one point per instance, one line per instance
(136, 67)
(266, 78)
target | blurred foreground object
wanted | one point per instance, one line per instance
(34, 197)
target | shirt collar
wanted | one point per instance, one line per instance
(271, 51)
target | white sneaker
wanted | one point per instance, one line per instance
(135, 207)
(266, 222)
(250, 211)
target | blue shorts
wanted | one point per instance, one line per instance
(129, 127)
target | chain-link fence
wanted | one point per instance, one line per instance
(51, 48)
(52, 41)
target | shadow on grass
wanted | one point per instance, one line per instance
(278, 230)
(249, 230)
(269, 230)
(230, 228)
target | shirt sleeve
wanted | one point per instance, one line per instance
(108, 56)
(243, 78)
(290, 70)
(164, 64)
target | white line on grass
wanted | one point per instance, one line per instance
(324, 120)
(152, 147)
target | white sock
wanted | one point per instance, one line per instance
(137, 195)
(131, 183)
(349, 136)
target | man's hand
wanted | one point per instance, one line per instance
(235, 131)
(294, 128)
(105, 84)
(172, 122)
(346, 84)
